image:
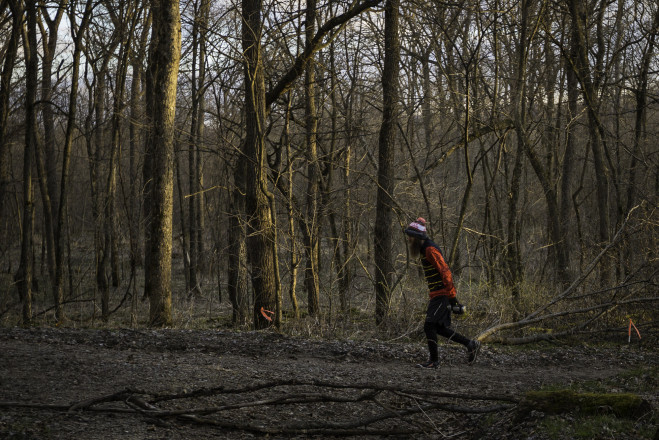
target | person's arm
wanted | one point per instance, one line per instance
(436, 259)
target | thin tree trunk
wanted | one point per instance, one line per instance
(568, 215)
(312, 221)
(48, 216)
(58, 287)
(294, 257)
(135, 196)
(237, 255)
(470, 178)
(115, 160)
(102, 253)
(201, 110)
(183, 238)
(5, 92)
(640, 133)
(584, 74)
(383, 236)
(193, 288)
(23, 276)
(49, 45)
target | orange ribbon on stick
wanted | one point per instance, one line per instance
(631, 324)
(265, 314)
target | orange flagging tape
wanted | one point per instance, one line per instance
(631, 324)
(265, 313)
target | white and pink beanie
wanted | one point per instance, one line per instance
(417, 229)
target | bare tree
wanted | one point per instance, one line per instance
(312, 219)
(11, 51)
(582, 67)
(384, 267)
(195, 200)
(23, 276)
(77, 32)
(161, 81)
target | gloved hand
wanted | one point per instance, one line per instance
(456, 307)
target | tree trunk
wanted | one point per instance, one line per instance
(23, 276)
(312, 220)
(294, 256)
(115, 158)
(134, 186)
(5, 92)
(50, 200)
(58, 287)
(641, 92)
(568, 216)
(260, 232)
(237, 253)
(383, 234)
(583, 70)
(195, 199)
(102, 257)
(164, 57)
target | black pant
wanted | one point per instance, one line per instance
(432, 329)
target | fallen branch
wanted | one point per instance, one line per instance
(206, 392)
(319, 392)
(538, 337)
(534, 317)
(555, 402)
(85, 404)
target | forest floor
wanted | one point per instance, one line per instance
(63, 383)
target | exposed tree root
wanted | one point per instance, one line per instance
(358, 409)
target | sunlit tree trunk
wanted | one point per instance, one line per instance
(164, 57)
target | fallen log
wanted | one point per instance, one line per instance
(623, 405)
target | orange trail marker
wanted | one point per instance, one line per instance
(631, 324)
(265, 313)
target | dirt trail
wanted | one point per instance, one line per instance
(65, 366)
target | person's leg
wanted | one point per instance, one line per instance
(452, 335)
(430, 328)
(473, 346)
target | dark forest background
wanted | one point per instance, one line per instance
(266, 155)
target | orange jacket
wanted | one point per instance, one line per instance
(437, 273)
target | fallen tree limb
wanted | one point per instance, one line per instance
(555, 402)
(538, 337)
(357, 426)
(284, 400)
(120, 395)
(308, 393)
(327, 384)
(534, 318)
